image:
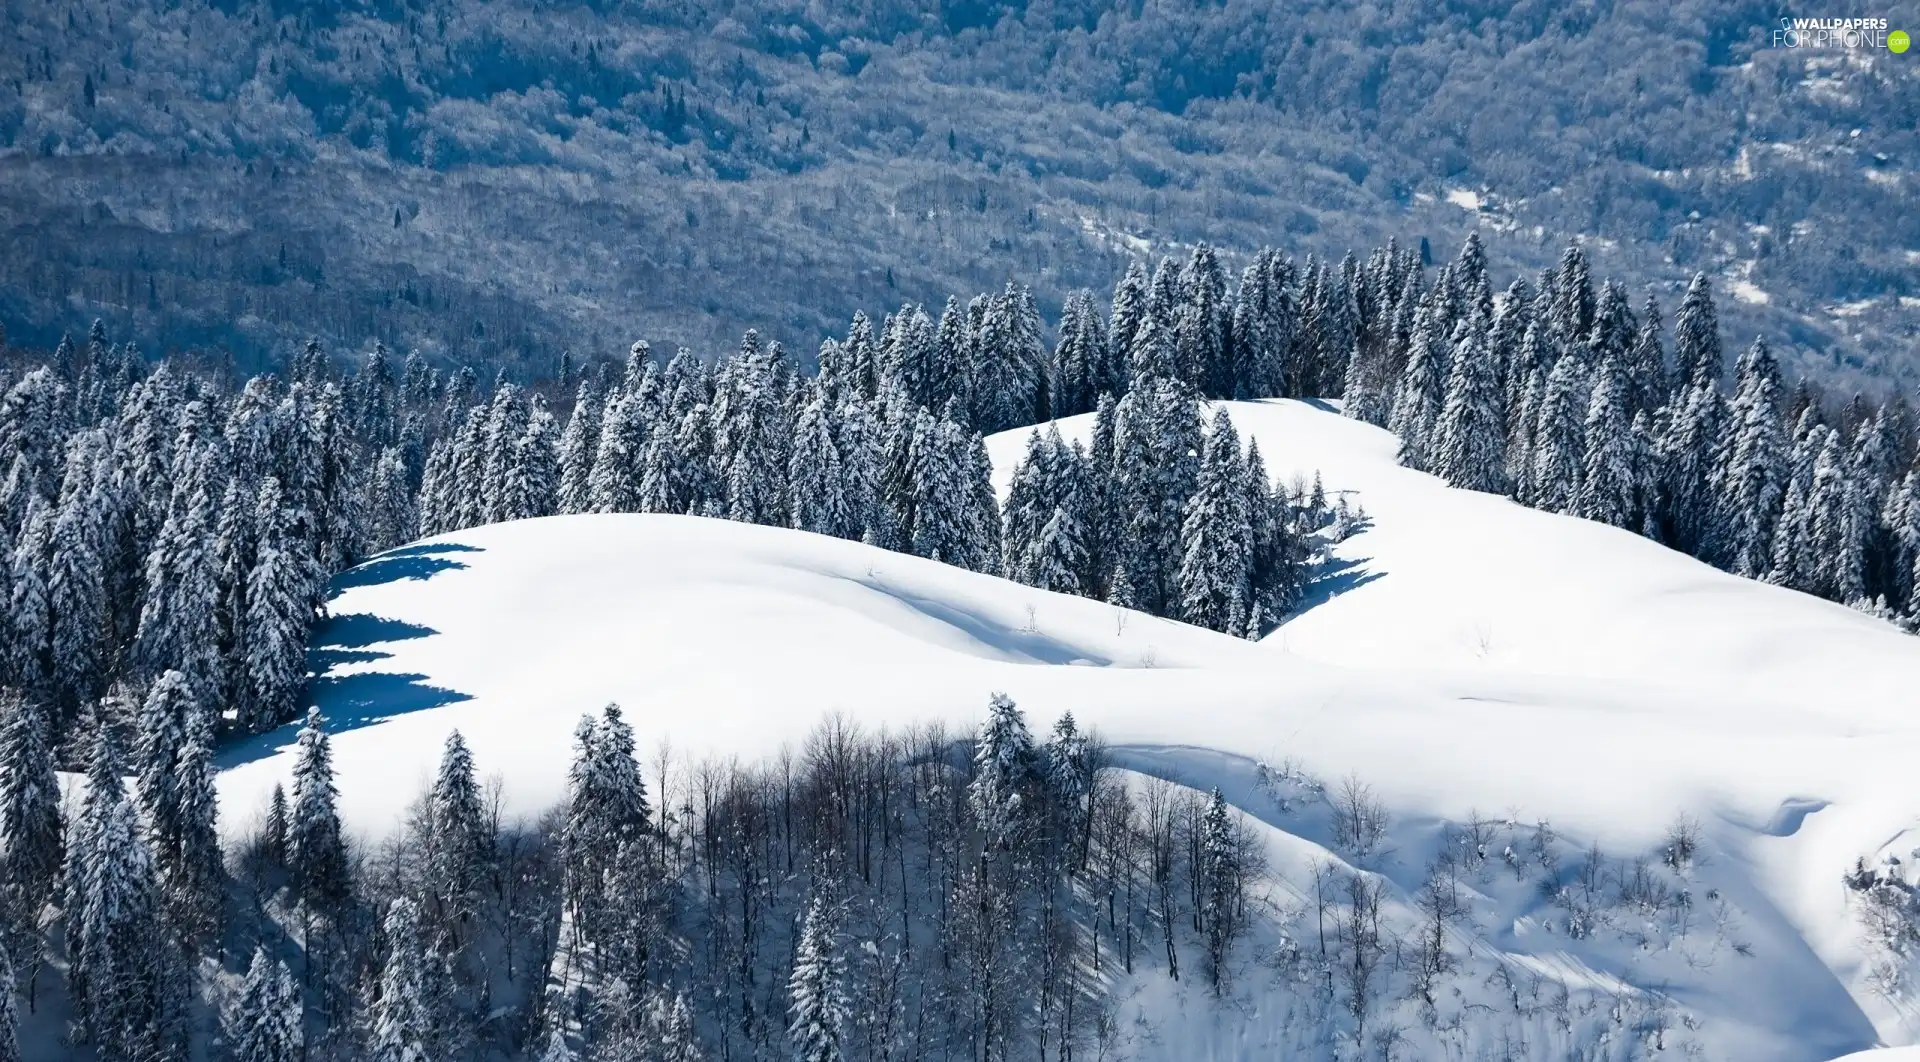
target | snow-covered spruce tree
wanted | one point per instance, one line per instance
(606, 816)
(123, 976)
(507, 419)
(1057, 557)
(1559, 454)
(1200, 325)
(1418, 403)
(1003, 762)
(279, 603)
(1795, 564)
(1754, 482)
(316, 854)
(1834, 561)
(753, 435)
(862, 357)
(1647, 361)
(1029, 505)
(1607, 478)
(1573, 306)
(162, 734)
(459, 841)
(9, 1012)
(1221, 888)
(614, 484)
(532, 475)
(1129, 309)
(32, 844)
(1472, 446)
(29, 617)
(408, 1017)
(944, 527)
(1079, 364)
(818, 475)
(1686, 461)
(1263, 327)
(266, 1023)
(579, 443)
(181, 596)
(1068, 760)
(1275, 556)
(983, 507)
(391, 519)
(76, 579)
(1215, 561)
(817, 1005)
(193, 877)
(1696, 337)
(1157, 446)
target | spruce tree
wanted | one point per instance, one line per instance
(818, 474)
(1003, 764)
(1794, 561)
(391, 519)
(1200, 325)
(1129, 309)
(459, 841)
(162, 734)
(1057, 557)
(279, 611)
(753, 437)
(266, 1023)
(9, 1012)
(1559, 455)
(1696, 337)
(579, 444)
(76, 583)
(29, 650)
(193, 880)
(316, 853)
(406, 1023)
(1418, 404)
(1069, 768)
(1687, 449)
(817, 993)
(1275, 556)
(1754, 482)
(1219, 887)
(531, 478)
(32, 845)
(613, 486)
(1607, 478)
(122, 974)
(1215, 565)
(1471, 451)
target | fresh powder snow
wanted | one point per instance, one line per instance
(1461, 655)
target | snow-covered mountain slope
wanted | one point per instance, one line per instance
(1469, 655)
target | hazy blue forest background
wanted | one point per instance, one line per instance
(498, 181)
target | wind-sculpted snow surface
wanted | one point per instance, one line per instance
(1513, 686)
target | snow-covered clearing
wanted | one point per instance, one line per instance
(1463, 654)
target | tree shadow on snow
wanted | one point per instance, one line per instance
(408, 562)
(1334, 577)
(1023, 645)
(357, 698)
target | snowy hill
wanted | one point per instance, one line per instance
(1464, 653)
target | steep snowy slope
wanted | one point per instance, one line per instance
(1471, 655)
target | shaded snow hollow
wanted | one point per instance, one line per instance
(1463, 653)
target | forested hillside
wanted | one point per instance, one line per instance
(488, 182)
